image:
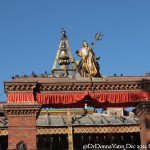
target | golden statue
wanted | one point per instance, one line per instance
(88, 63)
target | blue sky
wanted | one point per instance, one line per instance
(30, 32)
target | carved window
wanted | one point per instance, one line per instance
(21, 146)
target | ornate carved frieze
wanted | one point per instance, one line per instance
(21, 113)
(108, 129)
(3, 131)
(11, 87)
(98, 129)
(22, 109)
(91, 87)
(76, 86)
(42, 131)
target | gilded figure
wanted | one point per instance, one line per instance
(88, 63)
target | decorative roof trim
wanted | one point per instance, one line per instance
(3, 131)
(76, 86)
(91, 129)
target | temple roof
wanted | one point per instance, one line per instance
(95, 119)
(78, 79)
(68, 90)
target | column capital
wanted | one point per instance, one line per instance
(22, 109)
(22, 124)
(143, 108)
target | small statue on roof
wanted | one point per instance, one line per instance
(88, 63)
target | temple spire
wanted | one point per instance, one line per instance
(64, 63)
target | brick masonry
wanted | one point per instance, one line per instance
(22, 125)
(143, 112)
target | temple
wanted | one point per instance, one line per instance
(74, 107)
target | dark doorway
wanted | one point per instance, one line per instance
(3, 142)
(52, 142)
(120, 141)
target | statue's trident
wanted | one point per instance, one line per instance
(98, 37)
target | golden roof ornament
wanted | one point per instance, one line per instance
(64, 58)
(64, 64)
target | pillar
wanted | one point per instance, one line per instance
(22, 125)
(143, 113)
(70, 132)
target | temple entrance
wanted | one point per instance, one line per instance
(52, 142)
(3, 142)
(89, 141)
(100, 140)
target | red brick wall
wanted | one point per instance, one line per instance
(145, 129)
(22, 121)
(22, 128)
(143, 112)
(22, 125)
